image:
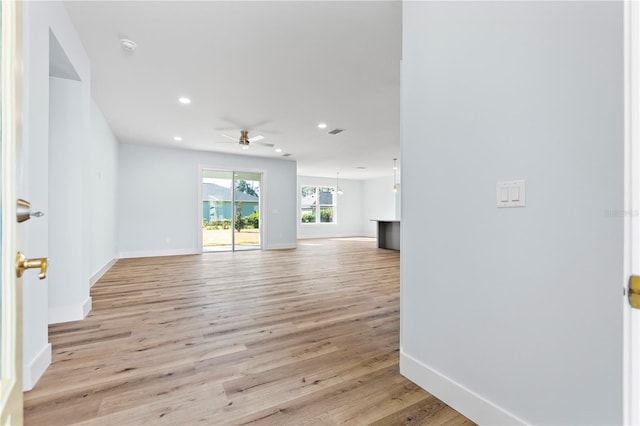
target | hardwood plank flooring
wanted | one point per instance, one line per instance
(286, 337)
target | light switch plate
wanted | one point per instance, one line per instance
(515, 191)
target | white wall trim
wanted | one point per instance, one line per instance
(631, 319)
(353, 235)
(454, 394)
(86, 307)
(158, 253)
(96, 277)
(281, 246)
(32, 372)
(67, 313)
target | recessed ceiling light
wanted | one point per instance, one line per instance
(177, 138)
(322, 126)
(184, 101)
(278, 149)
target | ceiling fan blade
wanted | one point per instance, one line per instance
(230, 137)
(226, 142)
(236, 124)
(259, 124)
(256, 138)
(270, 145)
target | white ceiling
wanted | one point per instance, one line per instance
(276, 68)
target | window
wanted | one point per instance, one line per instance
(317, 204)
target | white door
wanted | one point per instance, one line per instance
(11, 89)
(632, 211)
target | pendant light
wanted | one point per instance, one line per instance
(395, 169)
(338, 190)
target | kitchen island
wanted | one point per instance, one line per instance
(388, 234)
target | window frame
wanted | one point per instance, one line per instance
(318, 207)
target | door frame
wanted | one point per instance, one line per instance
(11, 404)
(261, 201)
(631, 264)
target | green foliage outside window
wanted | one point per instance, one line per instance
(253, 220)
(240, 221)
(308, 218)
(214, 224)
(326, 215)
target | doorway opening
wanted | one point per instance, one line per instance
(231, 210)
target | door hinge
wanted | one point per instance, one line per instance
(633, 291)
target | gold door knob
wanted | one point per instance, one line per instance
(23, 263)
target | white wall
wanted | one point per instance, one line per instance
(348, 210)
(68, 289)
(102, 196)
(514, 315)
(70, 174)
(158, 204)
(379, 202)
(39, 18)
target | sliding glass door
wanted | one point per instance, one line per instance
(230, 210)
(246, 225)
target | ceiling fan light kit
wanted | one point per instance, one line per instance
(244, 138)
(245, 141)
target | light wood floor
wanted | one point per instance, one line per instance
(290, 337)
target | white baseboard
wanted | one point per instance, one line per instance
(455, 395)
(34, 369)
(67, 313)
(281, 246)
(96, 277)
(86, 307)
(158, 253)
(317, 236)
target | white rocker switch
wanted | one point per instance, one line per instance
(514, 193)
(504, 194)
(510, 193)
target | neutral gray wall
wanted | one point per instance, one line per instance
(517, 308)
(102, 195)
(67, 280)
(40, 20)
(349, 210)
(379, 202)
(159, 211)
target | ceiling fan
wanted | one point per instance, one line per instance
(245, 140)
